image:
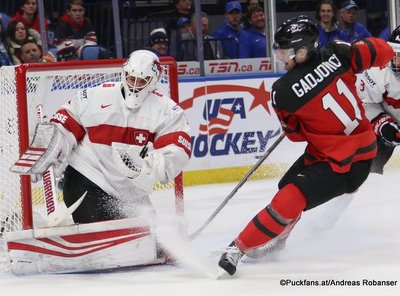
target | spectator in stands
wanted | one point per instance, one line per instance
(233, 37)
(31, 52)
(256, 32)
(181, 8)
(212, 48)
(352, 30)
(74, 32)
(249, 4)
(376, 20)
(158, 42)
(252, 3)
(17, 33)
(385, 34)
(5, 59)
(28, 14)
(183, 25)
(4, 19)
(328, 27)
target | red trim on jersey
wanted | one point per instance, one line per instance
(368, 57)
(69, 123)
(106, 134)
(180, 139)
(395, 103)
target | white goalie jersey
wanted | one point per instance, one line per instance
(98, 118)
(379, 89)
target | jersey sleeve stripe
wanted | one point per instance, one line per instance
(69, 123)
(358, 59)
(180, 139)
(372, 50)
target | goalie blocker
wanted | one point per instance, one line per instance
(84, 247)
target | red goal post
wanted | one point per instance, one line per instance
(53, 84)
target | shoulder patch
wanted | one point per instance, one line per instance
(82, 95)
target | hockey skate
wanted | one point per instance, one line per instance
(230, 258)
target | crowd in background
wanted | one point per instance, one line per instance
(71, 34)
(71, 37)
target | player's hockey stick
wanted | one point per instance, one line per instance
(237, 187)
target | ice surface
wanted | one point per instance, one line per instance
(363, 244)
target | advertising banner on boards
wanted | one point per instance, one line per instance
(232, 121)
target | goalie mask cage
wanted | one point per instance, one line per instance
(22, 88)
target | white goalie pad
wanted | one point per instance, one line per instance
(82, 248)
(45, 149)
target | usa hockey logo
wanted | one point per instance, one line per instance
(223, 126)
(219, 113)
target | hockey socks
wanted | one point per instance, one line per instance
(270, 222)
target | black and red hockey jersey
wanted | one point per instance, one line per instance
(317, 102)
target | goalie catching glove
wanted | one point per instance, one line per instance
(49, 147)
(387, 129)
(141, 164)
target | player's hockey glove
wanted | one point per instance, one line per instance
(387, 129)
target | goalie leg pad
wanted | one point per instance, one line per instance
(84, 247)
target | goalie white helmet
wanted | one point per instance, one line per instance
(140, 74)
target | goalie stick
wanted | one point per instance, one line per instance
(237, 187)
(55, 215)
(49, 183)
(60, 215)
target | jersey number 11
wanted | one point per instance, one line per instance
(329, 102)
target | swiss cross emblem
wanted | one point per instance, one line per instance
(140, 137)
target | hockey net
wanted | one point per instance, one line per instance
(22, 88)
